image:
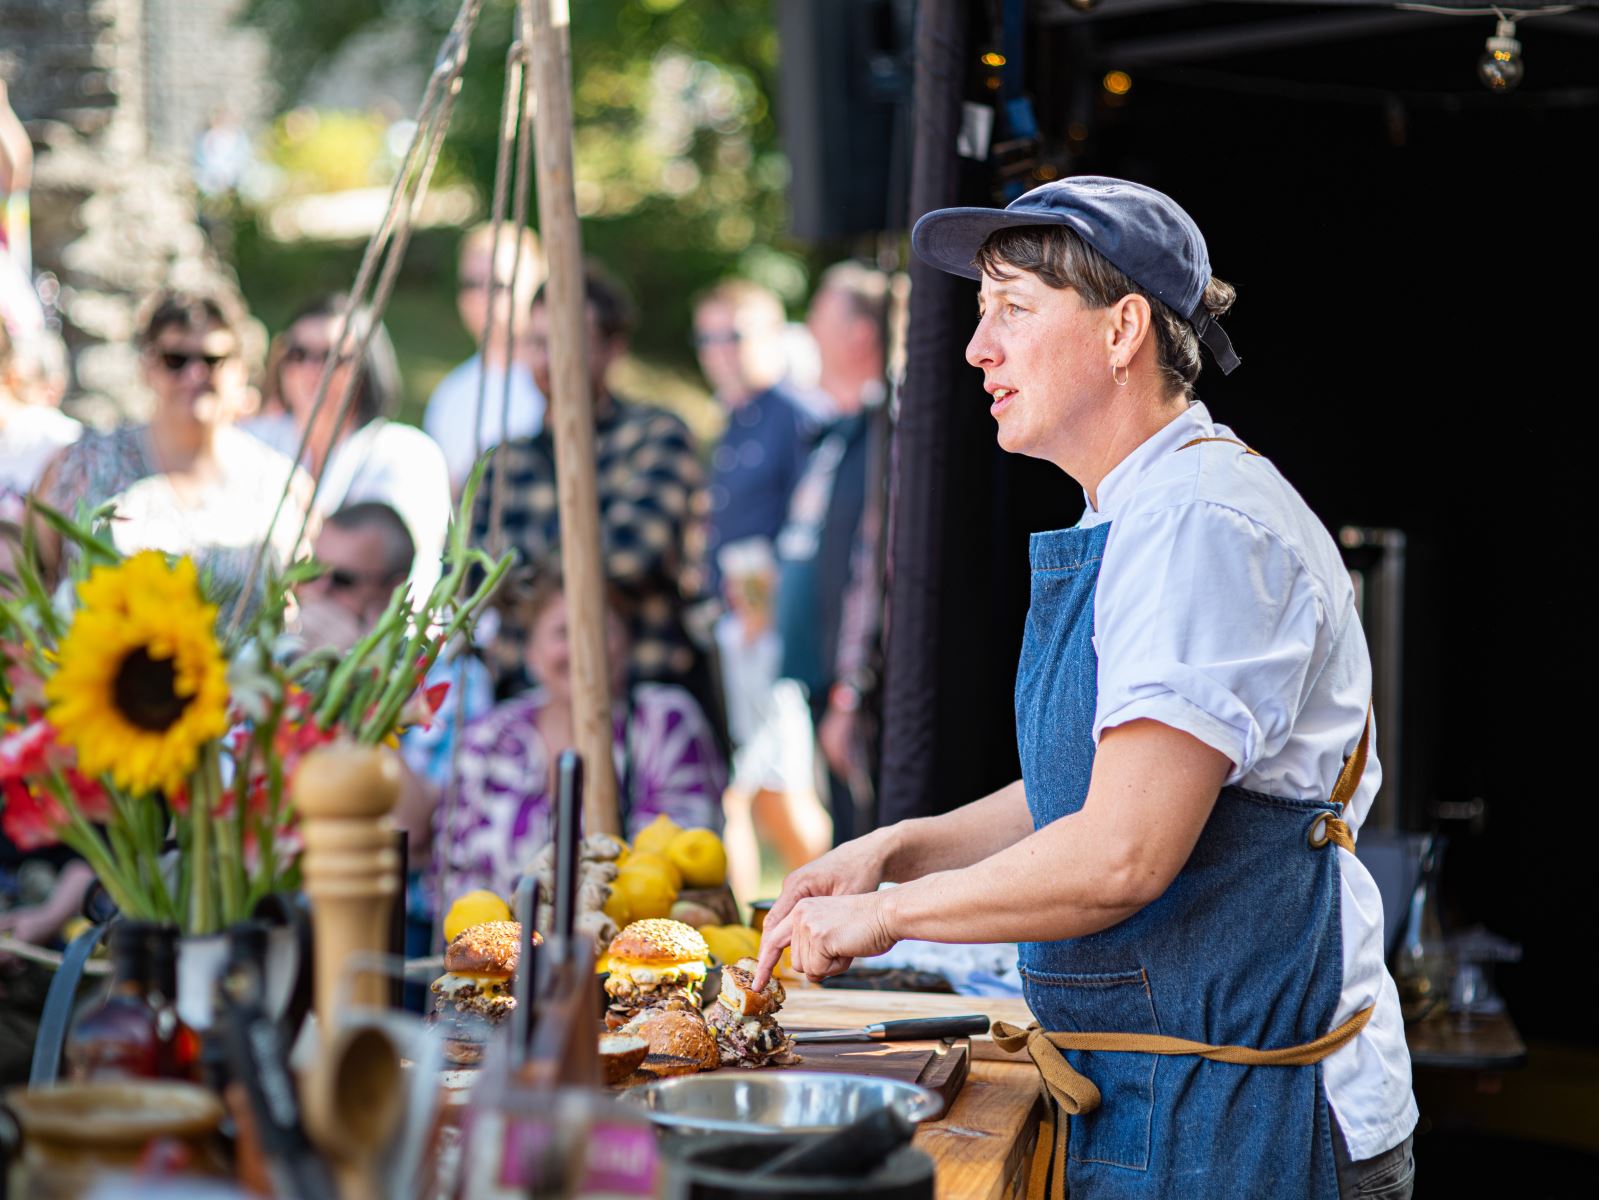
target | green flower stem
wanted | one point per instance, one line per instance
(229, 840)
(344, 677)
(202, 904)
(110, 862)
(86, 840)
(366, 695)
(400, 688)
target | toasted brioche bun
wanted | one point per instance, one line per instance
(490, 950)
(621, 1054)
(658, 941)
(738, 994)
(680, 1043)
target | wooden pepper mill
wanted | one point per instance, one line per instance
(350, 866)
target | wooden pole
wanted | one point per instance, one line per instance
(571, 410)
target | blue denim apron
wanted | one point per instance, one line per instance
(1244, 948)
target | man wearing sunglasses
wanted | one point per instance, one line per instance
(366, 551)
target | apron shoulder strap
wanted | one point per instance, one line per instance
(1232, 441)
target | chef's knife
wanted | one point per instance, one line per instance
(916, 1030)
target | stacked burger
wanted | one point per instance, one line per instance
(657, 964)
(744, 1020)
(474, 996)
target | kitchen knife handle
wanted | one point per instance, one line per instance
(930, 1028)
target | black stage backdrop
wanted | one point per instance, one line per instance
(1415, 279)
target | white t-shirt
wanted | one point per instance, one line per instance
(1224, 610)
(232, 514)
(383, 461)
(448, 420)
(30, 436)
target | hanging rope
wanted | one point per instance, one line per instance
(516, 133)
(386, 245)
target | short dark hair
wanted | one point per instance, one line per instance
(1062, 259)
(374, 514)
(376, 389)
(192, 312)
(613, 308)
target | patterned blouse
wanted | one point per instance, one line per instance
(499, 814)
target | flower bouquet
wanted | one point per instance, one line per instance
(161, 743)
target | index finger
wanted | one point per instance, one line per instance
(794, 890)
(774, 940)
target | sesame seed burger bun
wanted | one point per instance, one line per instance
(659, 942)
(492, 949)
(680, 1043)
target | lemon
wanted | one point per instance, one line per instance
(656, 836)
(700, 856)
(474, 908)
(731, 942)
(616, 908)
(658, 863)
(646, 894)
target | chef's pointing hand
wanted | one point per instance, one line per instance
(854, 868)
(826, 934)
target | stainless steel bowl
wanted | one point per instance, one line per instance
(776, 1101)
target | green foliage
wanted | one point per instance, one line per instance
(680, 176)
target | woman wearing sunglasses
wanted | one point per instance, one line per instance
(187, 480)
(348, 440)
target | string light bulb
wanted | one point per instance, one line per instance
(1500, 68)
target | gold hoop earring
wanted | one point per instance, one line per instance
(1122, 382)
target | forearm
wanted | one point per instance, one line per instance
(1152, 791)
(968, 835)
(1043, 888)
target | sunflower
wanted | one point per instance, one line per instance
(140, 684)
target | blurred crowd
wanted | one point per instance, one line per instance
(743, 577)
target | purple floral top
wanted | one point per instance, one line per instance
(499, 813)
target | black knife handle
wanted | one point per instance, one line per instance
(932, 1028)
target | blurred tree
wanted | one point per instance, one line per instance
(680, 178)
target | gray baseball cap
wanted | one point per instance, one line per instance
(1144, 233)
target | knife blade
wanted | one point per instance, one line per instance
(915, 1029)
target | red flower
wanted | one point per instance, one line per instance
(93, 801)
(32, 820)
(31, 751)
(423, 706)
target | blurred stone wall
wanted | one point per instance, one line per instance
(114, 210)
(197, 60)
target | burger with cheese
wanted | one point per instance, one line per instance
(654, 964)
(475, 994)
(744, 1021)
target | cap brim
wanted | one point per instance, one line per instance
(949, 238)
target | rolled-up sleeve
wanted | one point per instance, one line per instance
(1207, 622)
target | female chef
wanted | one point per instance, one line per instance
(1193, 720)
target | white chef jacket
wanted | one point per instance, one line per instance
(1224, 610)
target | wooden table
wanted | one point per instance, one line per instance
(983, 1146)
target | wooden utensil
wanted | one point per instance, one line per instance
(344, 793)
(353, 1099)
